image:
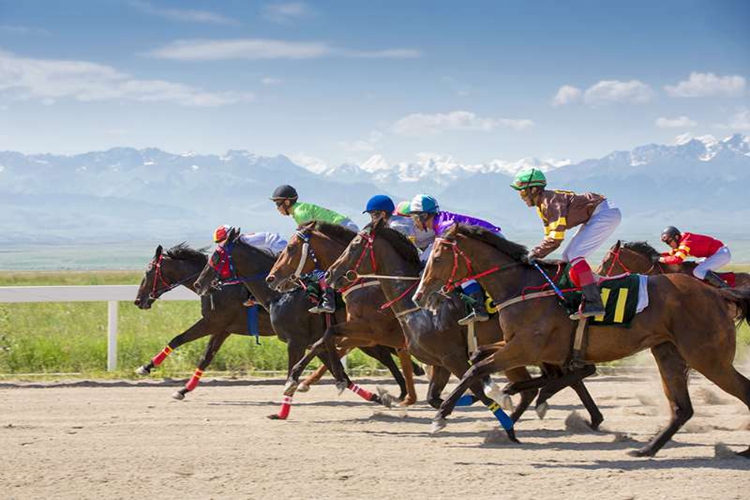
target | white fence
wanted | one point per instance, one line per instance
(112, 294)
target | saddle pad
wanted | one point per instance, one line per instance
(623, 298)
(729, 278)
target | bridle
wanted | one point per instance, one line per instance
(232, 277)
(452, 283)
(616, 259)
(159, 277)
(307, 250)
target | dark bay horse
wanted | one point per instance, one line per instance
(686, 325)
(435, 339)
(289, 314)
(640, 257)
(316, 245)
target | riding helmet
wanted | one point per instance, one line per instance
(528, 178)
(284, 192)
(424, 203)
(221, 233)
(380, 202)
(669, 233)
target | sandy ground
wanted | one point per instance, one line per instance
(136, 442)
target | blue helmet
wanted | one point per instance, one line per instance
(424, 203)
(380, 202)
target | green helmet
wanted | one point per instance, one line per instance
(529, 178)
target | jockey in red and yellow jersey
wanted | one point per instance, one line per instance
(684, 245)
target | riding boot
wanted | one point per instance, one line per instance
(250, 302)
(591, 304)
(714, 279)
(478, 309)
(327, 303)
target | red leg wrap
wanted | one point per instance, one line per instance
(193, 382)
(161, 356)
(362, 393)
(286, 407)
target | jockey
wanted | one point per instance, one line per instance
(685, 245)
(427, 215)
(285, 197)
(272, 242)
(381, 206)
(563, 210)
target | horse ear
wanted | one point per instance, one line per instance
(232, 234)
(617, 245)
(158, 252)
(451, 233)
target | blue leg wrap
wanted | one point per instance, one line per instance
(466, 400)
(252, 323)
(500, 415)
(471, 287)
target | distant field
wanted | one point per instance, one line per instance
(71, 337)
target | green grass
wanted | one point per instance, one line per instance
(47, 338)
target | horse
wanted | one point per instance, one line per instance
(640, 257)
(316, 245)
(686, 325)
(435, 339)
(289, 317)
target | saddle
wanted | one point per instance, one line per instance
(620, 296)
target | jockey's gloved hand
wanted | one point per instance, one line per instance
(532, 258)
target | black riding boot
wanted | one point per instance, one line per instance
(478, 309)
(327, 303)
(714, 279)
(592, 303)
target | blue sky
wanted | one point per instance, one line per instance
(341, 81)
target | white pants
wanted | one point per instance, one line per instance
(719, 259)
(594, 233)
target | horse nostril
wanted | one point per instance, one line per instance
(270, 279)
(138, 301)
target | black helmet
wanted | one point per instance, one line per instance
(670, 233)
(284, 192)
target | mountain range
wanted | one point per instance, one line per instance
(126, 194)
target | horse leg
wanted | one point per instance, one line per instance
(294, 352)
(572, 379)
(213, 346)
(588, 402)
(408, 368)
(674, 377)
(438, 381)
(527, 396)
(292, 381)
(196, 331)
(384, 356)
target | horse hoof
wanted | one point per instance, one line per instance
(435, 403)
(341, 387)
(541, 410)
(506, 403)
(275, 416)
(643, 452)
(744, 454)
(179, 396)
(303, 387)
(438, 425)
(385, 397)
(595, 424)
(407, 402)
(142, 371)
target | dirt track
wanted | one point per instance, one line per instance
(120, 442)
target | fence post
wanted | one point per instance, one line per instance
(111, 335)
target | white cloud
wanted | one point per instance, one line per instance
(285, 13)
(708, 85)
(360, 145)
(740, 121)
(420, 124)
(613, 91)
(566, 95)
(262, 48)
(47, 80)
(268, 81)
(183, 15)
(680, 122)
(9, 29)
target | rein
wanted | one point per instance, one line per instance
(616, 259)
(452, 283)
(233, 278)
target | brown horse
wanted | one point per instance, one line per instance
(435, 339)
(686, 325)
(640, 257)
(317, 245)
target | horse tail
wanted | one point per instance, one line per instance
(739, 296)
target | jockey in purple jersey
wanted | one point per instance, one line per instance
(427, 215)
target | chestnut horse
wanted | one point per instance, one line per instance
(686, 325)
(317, 245)
(640, 257)
(435, 339)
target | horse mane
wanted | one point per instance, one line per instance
(515, 251)
(262, 251)
(642, 247)
(401, 244)
(183, 251)
(339, 234)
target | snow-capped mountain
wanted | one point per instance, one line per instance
(126, 194)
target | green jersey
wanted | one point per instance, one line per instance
(306, 212)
